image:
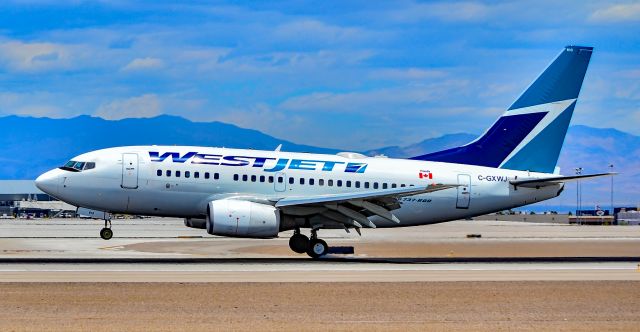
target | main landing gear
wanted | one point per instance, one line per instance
(314, 247)
(106, 233)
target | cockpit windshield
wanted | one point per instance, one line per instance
(77, 166)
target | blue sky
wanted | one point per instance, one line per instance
(351, 75)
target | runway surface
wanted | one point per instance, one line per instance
(163, 250)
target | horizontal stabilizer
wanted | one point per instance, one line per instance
(537, 183)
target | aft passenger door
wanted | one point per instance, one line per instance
(129, 170)
(280, 183)
(464, 191)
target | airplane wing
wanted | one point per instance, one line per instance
(353, 209)
(544, 182)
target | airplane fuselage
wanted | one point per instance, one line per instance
(175, 181)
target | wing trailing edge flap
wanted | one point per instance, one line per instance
(544, 182)
(371, 202)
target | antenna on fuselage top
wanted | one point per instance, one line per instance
(278, 148)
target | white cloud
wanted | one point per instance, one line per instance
(33, 57)
(145, 106)
(312, 30)
(376, 101)
(48, 111)
(445, 11)
(403, 74)
(37, 104)
(141, 64)
(617, 13)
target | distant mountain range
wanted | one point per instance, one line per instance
(34, 145)
(427, 146)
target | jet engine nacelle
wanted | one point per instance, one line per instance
(242, 219)
(195, 223)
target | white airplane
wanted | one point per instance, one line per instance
(258, 194)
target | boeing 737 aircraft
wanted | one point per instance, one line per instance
(258, 194)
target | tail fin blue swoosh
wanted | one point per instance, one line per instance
(530, 134)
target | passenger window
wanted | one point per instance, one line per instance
(187, 174)
(301, 180)
(168, 173)
(280, 179)
(89, 166)
(375, 185)
(348, 184)
(216, 176)
(196, 175)
(339, 183)
(330, 183)
(235, 177)
(393, 185)
(357, 184)
(384, 185)
(253, 178)
(402, 185)
(270, 179)
(366, 185)
(312, 182)
(245, 177)
(291, 180)
(262, 178)
(321, 182)
(177, 174)
(159, 172)
(206, 175)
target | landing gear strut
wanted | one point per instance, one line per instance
(106, 233)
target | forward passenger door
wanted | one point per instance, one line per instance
(129, 171)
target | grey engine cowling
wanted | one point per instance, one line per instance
(242, 219)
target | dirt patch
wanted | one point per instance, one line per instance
(464, 248)
(575, 305)
(479, 248)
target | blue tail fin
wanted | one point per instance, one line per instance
(529, 135)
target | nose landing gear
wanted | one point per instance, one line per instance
(106, 233)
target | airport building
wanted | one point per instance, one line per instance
(22, 199)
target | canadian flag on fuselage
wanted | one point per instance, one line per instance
(425, 175)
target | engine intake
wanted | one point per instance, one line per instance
(242, 219)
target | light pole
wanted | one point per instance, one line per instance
(611, 171)
(578, 172)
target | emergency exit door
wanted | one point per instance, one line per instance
(464, 191)
(129, 171)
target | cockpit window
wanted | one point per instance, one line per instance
(77, 166)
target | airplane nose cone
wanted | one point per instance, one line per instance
(48, 182)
